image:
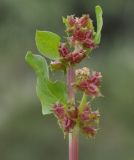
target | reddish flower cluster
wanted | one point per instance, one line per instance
(81, 31)
(71, 57)
(84, 37)
(91, 84)
(87, 121)
(80, 38)
(68, 118)
(76, 22)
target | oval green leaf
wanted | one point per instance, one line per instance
(48, 43)
(47, 91)
(59, 90)
(38, 63)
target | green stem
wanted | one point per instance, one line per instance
(83, 102)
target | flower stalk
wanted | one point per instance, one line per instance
(73, 145)
(73, 137)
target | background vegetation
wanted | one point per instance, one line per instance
(24, 133)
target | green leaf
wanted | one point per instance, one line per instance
(46, 97)
(38, 63)
(59, 90)
(99, 19)
(47, 91)
(48, 44)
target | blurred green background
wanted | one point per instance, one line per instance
(24, 133)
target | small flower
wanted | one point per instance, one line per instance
(89, 43)
(84, 37)
(79, 35)
(66, 117)
(63, 50)
(88, 120)
(83, 21)
(90, 85)
(73, 113)
(71, 57)
(92, 90)
(96, 78)
(84, 116)
(94, 115)
(76, 56)
(59, 111)
(82, 73)
(90, 131)
(68, 124)
(71, 20)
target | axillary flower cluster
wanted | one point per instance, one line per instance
(80, 41)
